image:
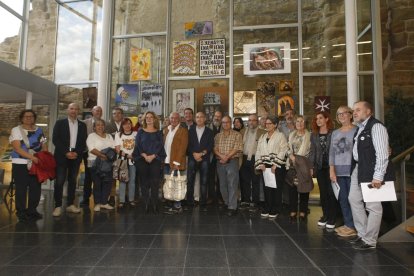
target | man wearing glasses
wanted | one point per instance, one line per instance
(228, 146)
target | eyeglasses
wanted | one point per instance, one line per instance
(343, 113)
(28, 116)
(268, 123)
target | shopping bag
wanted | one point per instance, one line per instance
(175, 187)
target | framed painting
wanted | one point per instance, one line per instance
(266, 58)
(140, 64)
(212, 99)
(182, 99)
(266, 98)
(244, 102)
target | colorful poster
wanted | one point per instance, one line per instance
(184, 57)
(322, 104)
(284, 103)
(212, 99)
(140, 64)
(198, 28)
(266, 58)
(244, 102)
(266, 98)
(182, 99)
(212, 57)
(151, 98)
(127, 98)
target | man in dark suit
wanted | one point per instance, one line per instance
(87, 183)
(214, 193)
(69, 138)
(200, 146)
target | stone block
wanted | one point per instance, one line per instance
(398, 40)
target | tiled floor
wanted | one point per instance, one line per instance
(193, 243)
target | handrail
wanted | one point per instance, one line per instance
(400, 159)
(402, 155)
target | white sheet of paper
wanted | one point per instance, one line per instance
(269, 178)
(385, 193)
(336, 189)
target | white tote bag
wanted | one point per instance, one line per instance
(175, 187)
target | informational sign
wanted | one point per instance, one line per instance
(212, 57)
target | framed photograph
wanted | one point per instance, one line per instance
(140, 64)
(198, 28)
(266, 58)
(90, 97)
(151, 98)
(244, 102)
(266, 98)
(126, 97)
(212, 99)
(212, 57)
(182, 99)
(284, 102)
(184, 58)
(285, 86)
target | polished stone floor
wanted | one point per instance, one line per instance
(193, 243)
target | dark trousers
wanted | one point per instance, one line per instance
(203, 168)
(22, 181)
(150, 176)
(214, 184)
(101, 187)
(70, 170)
(87, 183)
(293, 200)
(273, 196)
(327, 196)
(249, 181)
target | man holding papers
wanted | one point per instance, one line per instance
(370, 164)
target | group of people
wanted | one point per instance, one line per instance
(266, 154)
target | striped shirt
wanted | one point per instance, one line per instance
(380, 140)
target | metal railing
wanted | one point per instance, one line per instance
(401, 159)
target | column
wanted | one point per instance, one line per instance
(351, 52)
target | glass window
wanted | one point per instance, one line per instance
(366, 88)
(323, 36)
(9, 37)
(263, 12)
(365, 57)
(334, 87)
(78, 39)
(144, 16)
(16, 5)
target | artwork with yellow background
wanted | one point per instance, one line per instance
(140, 64)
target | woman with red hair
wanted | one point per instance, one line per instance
(319, 156)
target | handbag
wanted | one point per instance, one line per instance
(175, 187)
(291, 177)
(120, 169)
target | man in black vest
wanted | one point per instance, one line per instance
(371, 165)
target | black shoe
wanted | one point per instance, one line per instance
(231, 213)
(293, 218)
(34, 216)
(363, 246)
(84, 203)
(322, 221)
(355, 240)
(303, 218)
(111, 201)
(23, 217)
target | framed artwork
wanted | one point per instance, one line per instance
(244, 102)
(266, 58)
(182, 99)
(140, 64)
(285, 86)
(212, 99)
(284, 102)
(212, 57)
(322, 104)
(198, 28)
(184, 57)
(90, 97)
(86, 115)
(126, 97)
(151, 98)
(266, 98)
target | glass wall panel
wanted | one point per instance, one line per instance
(9, 37)
(363, 14)
(263, 12)
(366, 88)
(16, 5)
(140, 16)
(365, 62)
(334, 87)
(250, 83)
(121, 61)
(78, 39)
(323, 29)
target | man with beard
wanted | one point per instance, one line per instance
(214, 185)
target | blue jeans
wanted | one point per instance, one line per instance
(102, 185)
(228, 174)
(167, 170)
(131, 185)
(203, 168)
(344, 183)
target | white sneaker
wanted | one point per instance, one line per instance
(73, 209)
(97, 208)
(107, 207)
(57, 212)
